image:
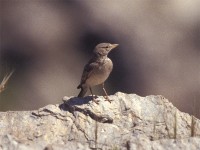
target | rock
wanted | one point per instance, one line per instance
(129, 122)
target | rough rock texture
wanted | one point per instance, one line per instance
(129, 122)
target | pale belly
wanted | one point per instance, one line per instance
(100, 75)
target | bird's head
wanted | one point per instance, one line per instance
(103, 49)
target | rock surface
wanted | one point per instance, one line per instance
(129, 122)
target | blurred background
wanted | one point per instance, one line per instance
(48, 42)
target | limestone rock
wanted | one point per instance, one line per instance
(129, 122)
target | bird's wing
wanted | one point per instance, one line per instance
(88, 69)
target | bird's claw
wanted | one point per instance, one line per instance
(95, 96)
(96, 101)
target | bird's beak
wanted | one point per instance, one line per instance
(114, 45)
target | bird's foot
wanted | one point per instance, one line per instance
(107, 99)
(94, 98)
(96, 101)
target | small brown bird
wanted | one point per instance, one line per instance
(97, 70)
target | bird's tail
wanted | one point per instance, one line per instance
(82, 92)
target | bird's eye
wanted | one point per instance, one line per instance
(105, 47)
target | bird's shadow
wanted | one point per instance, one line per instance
(71, 106)
(75, 101)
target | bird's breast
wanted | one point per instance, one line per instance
(101, 73)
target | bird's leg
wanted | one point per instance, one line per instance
(4, 82)
(93, 98)
(106, 97)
